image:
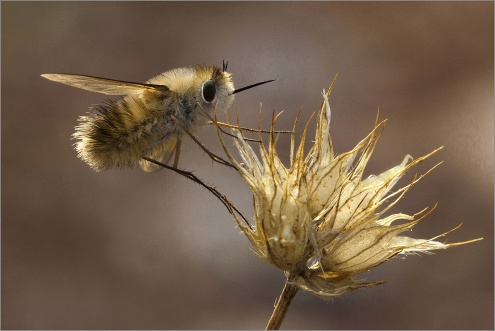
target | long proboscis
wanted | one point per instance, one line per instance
(251, 86)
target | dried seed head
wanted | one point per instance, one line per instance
(318, 219)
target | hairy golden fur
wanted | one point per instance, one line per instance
(115, 134)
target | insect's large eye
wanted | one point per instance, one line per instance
(208, 91)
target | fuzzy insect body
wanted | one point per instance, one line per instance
(141, 122)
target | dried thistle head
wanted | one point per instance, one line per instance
(319, 220)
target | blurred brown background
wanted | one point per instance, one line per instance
(129, 250)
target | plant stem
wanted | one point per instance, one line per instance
(283, 303)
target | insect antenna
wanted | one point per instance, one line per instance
(224, 65)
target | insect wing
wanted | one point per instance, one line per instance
(104, 85)
(162, 154)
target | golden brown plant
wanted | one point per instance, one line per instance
(319, 220)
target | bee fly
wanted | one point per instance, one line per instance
(150, 119)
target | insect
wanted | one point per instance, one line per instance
(149, 120)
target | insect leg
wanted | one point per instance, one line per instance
(218, 124)
(230, 207)
(214, 157)
(238, 127)
(177, 152)
(162, 139)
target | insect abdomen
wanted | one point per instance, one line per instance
(116, 133)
